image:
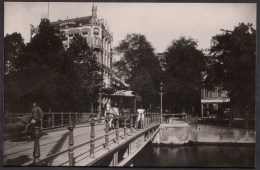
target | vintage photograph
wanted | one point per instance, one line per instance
(129, 84)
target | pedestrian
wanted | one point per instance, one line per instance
(112, 113)
(140, 118)
(37, 115)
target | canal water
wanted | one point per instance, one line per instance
(196, 156)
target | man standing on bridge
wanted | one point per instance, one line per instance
(140, 118)
(37, 114)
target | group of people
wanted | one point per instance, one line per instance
(114, 111)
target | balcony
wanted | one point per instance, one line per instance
(96, 46)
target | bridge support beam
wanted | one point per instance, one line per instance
(114, 161)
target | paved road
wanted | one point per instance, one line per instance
(21, 152)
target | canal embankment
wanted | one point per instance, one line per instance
(179, 133)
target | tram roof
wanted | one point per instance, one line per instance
(127, 93)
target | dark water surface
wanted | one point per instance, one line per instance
(196, 156)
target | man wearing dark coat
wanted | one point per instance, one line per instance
(37, 114)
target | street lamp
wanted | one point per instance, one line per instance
(161, 93)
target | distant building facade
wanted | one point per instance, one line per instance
(99, 39)
(213, 101)
(98, 36)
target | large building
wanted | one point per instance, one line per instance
(99, 38)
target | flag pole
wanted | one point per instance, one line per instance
(48, 10)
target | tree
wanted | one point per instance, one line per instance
(140, 66)
(87, 68)
(232, 66)
(45, 74)
(13, 48)
(183, 64)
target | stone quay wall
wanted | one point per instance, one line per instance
(183, 133)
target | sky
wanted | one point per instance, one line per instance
(161, 23)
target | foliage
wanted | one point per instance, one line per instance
(183, 64)
(140, 66)
(232, 65)
(13, 48)
(87, 69)
(45, 75)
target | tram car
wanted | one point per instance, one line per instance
(123, 103)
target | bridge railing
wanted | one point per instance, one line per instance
(123, 131)
(51, 120)
(54, 120)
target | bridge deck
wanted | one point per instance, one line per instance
(56, 142)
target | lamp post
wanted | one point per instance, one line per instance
(100, 103)
(161, 93)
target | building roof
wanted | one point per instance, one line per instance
(74, 22)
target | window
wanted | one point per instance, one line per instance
(96, 31)
(96, 41)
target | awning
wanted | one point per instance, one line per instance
(217, 100)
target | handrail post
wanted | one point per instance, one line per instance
(117, 129)
(53, 119)
(71, 143)
(92, 138)
(107, 130)
(36, 148)
(142, 121)
(69, 117)
(131, 124)
(125, 136)
(76, 117)
(145, 121)
(62, 119)
(148, 118)
(41, 124)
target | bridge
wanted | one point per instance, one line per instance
(82, 141)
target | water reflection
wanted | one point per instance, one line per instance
(196, 156)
